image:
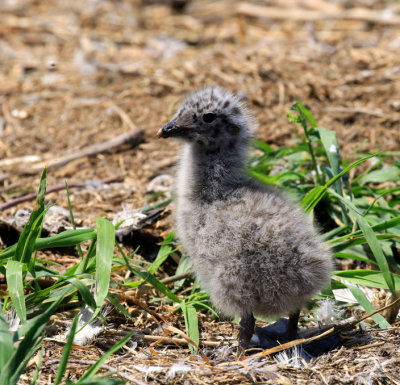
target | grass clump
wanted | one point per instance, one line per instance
(359, 218)
(33, 305)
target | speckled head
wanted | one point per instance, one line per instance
(211, 117)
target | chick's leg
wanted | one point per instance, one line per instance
(246, 330)
(291, 333)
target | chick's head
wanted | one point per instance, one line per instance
(211, 118)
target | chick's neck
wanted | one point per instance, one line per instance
(212, 176)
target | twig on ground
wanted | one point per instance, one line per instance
(133, 136)
(162, 338)
(296, 14)
(57, 187)
(370, 345)
(20, 159)
(355, 110)
(146, 288)
(176, 277)
(290, 344)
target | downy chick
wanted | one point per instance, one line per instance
(252, 249)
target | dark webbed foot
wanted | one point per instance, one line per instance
(246, 330)
(285, 330)
(247, 325)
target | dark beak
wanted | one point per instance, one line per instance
(168, 129)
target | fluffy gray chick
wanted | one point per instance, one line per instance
(252, 249)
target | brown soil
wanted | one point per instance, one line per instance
(77, 73)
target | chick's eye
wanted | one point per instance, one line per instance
(208, 118)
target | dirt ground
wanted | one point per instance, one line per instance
(74, 74)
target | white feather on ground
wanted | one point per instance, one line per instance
(328, 312)
(291, 358)
(12, 319)
(177, 368)
(91, 330)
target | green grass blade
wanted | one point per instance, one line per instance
(29, 247)
(164, 252)
(284, 176)
(347, 244)
(6, 341)
(114, 301)
(372, 240)
(94, 368)
(370, 278)
(71, 215)
(306, 113)
(334, 232)
(312, 198)
(65, 239)
(354, 257)
(84, 291)
(204, 305)
(29, 326)
(66, 352)
(382, 226)
(152, 280)
(329, 141)
(156, 205)
(33, 227)
(347, 169)
(366, 304)
(13, 379)
(191, 324)
(387, 174)
(14, 275)
(104, 255)
(88, 257)
(185, 265)
(148, 277)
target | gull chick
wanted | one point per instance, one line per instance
(251, 248)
